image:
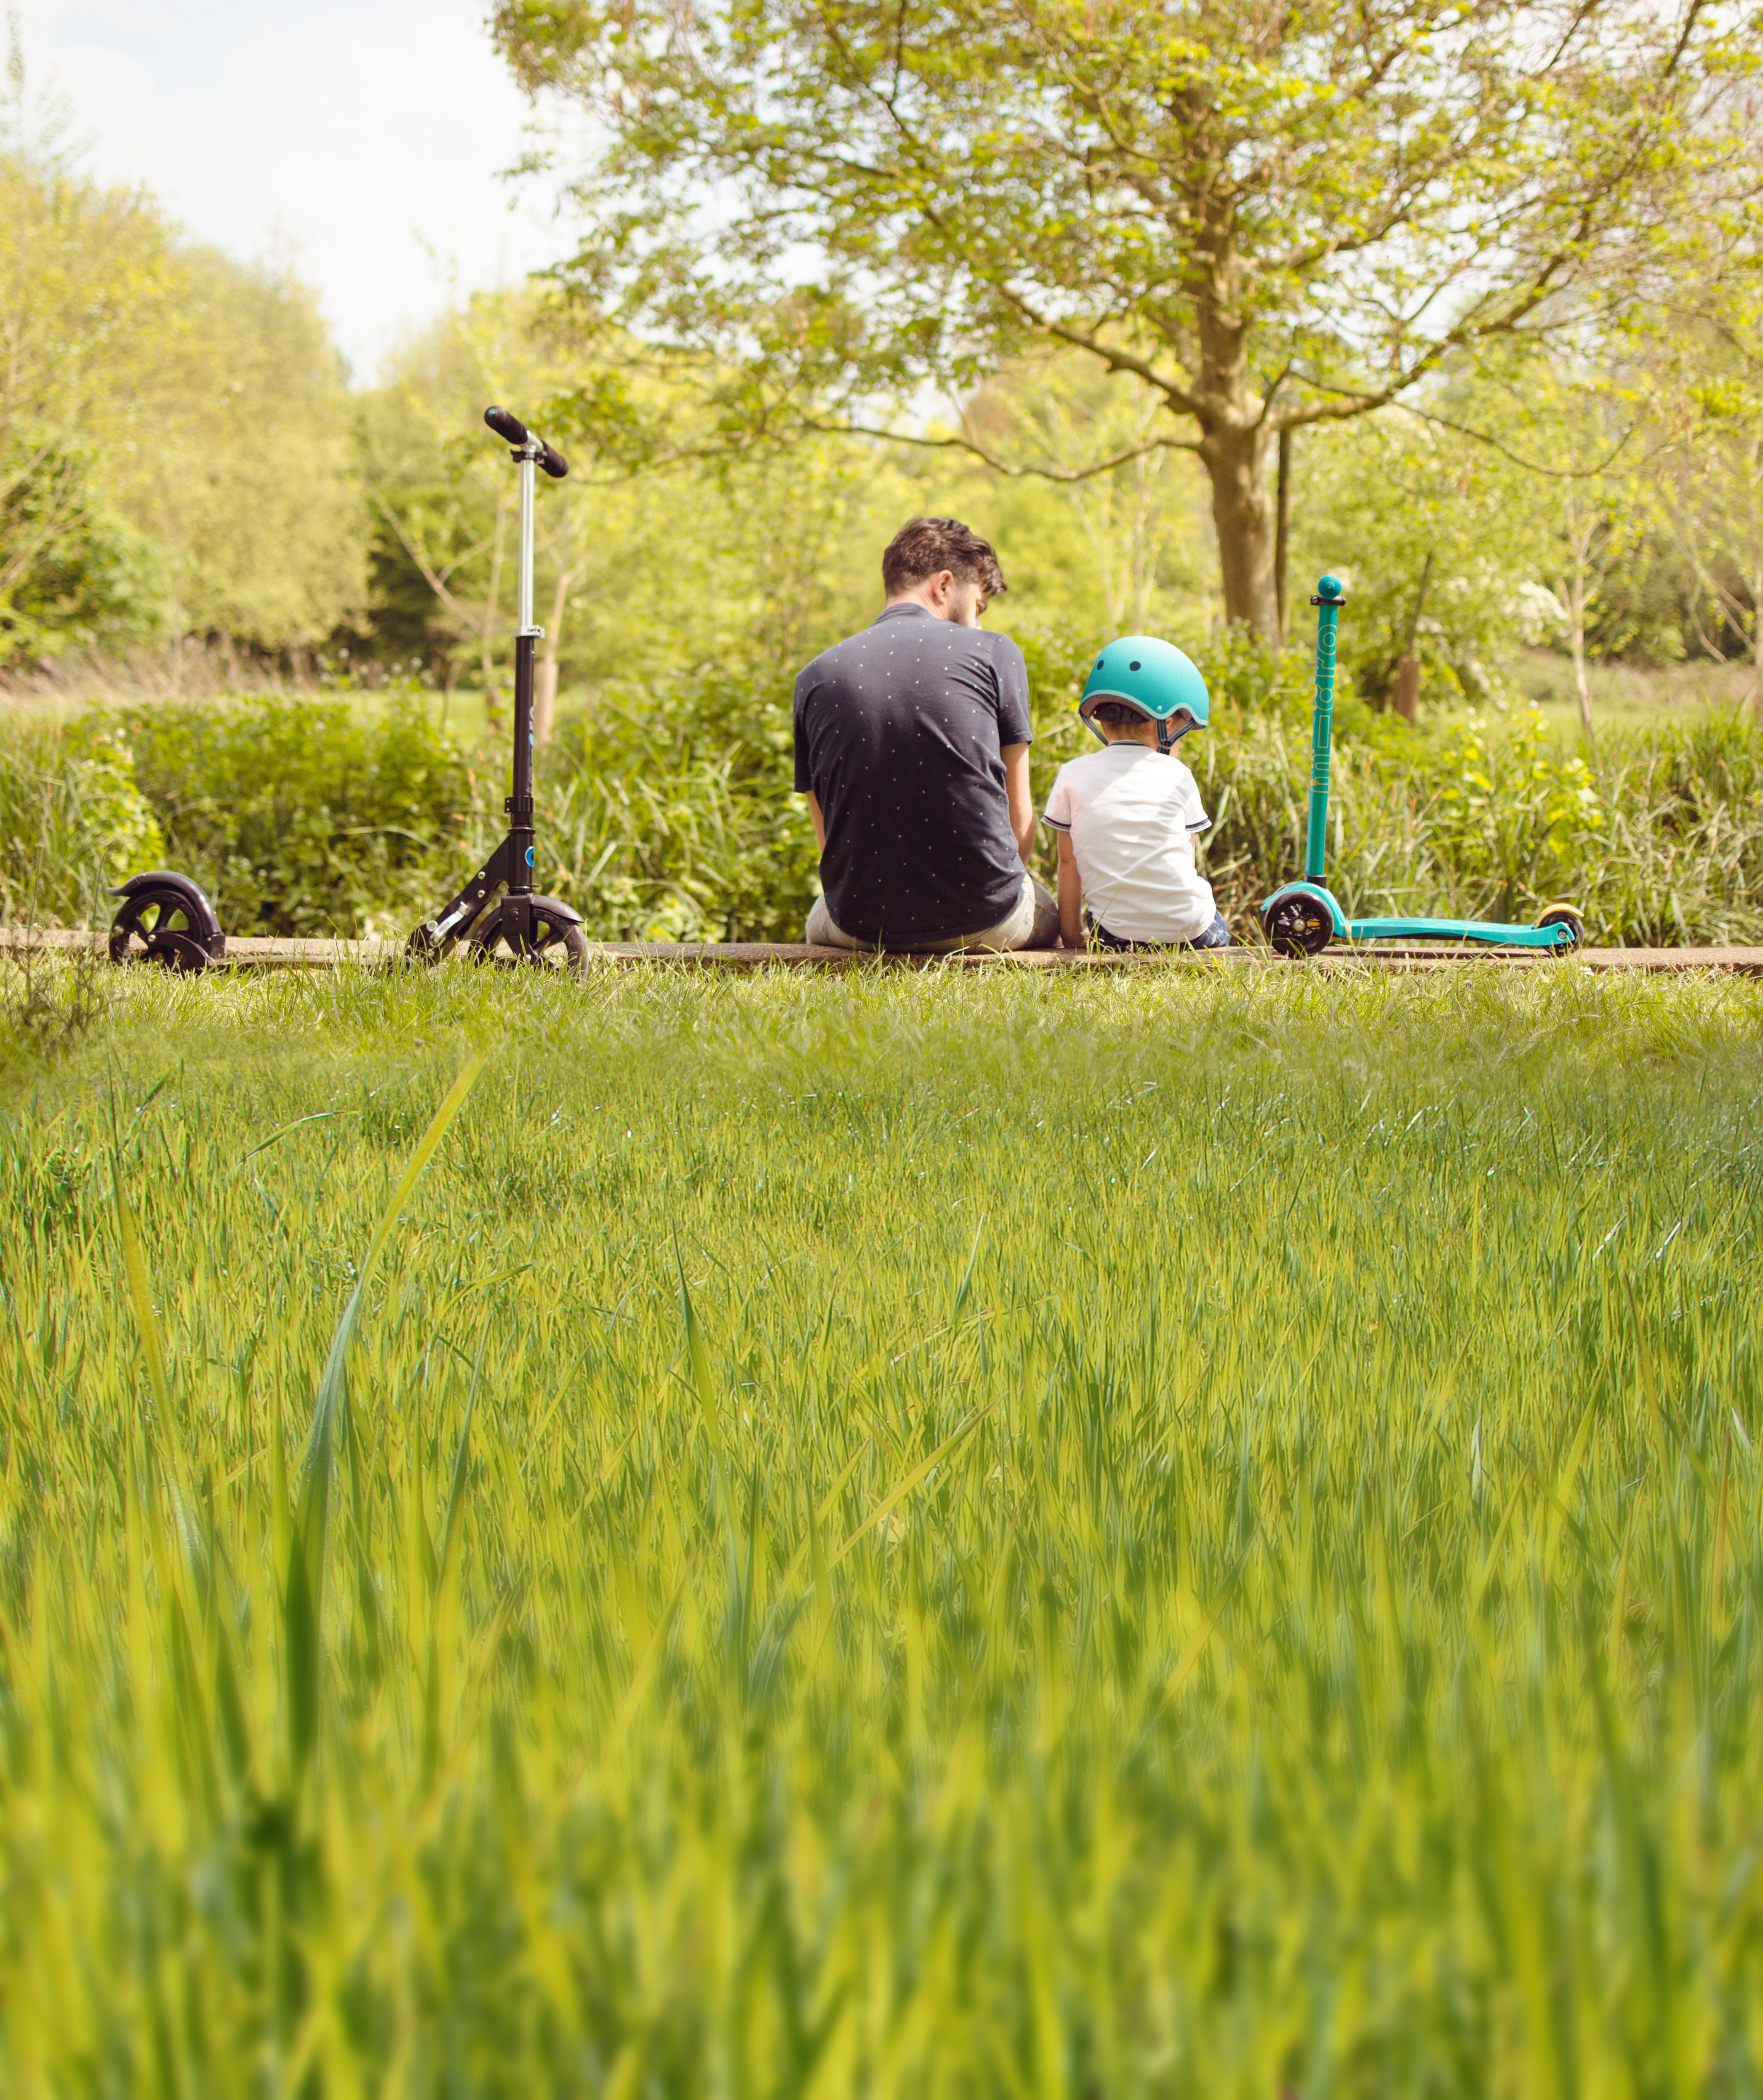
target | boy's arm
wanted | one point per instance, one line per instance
(1071, 895)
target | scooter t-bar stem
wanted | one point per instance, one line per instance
(1328, 602)
(524, 596)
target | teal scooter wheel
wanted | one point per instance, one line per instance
(1562, 914)
(1297, 924)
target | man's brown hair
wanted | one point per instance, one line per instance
(925, 546)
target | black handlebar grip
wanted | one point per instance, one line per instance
(510, 427)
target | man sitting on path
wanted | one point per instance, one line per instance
(912, 746)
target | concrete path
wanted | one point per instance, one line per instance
(244, 953)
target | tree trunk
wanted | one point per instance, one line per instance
(544, 699)
(1282, 537)
(1757, 626)
(492, 703)
(1233, 423)
(1577, 591)
(1576, 620)
(1232, 456)
(1407, 694)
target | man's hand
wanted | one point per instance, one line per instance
(1016, 758)
(1071, 895)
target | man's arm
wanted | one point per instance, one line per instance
(1016, 758)
(1071, 895)
(819, 820)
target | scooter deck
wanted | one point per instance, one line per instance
(1488, 932)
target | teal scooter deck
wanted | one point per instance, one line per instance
(1301, 918)
(1487, 931)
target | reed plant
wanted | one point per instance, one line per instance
(910, 1533)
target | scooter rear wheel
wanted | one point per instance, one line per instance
(1563, 915)
(557, 944)
(1298, 926)
(158, 926)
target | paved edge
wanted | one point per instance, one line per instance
(244, 953)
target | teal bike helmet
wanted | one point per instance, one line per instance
(1155, 677)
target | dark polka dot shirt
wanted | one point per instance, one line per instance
(898, 734)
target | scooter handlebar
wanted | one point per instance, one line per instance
(510, 427)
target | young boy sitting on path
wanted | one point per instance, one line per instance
(1126, 815)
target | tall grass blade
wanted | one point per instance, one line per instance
(303, 1604)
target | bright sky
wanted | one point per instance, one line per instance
(360, 142)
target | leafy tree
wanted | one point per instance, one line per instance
(245, 473)
(1600, 529)
(1437, 537)
(83, 295)
(154, 391)
(1712, 483)
(1268, 217)
(71, 574)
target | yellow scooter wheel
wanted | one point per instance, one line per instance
(1563, 915)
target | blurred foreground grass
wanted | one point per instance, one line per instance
(916, 1533)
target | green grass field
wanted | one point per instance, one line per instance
(911, 1534)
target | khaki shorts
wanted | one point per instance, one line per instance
(1033, 922)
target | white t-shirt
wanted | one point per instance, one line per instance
(1131, 812)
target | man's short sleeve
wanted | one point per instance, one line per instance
(1013, 724)
(804, 782)
(1058, 809)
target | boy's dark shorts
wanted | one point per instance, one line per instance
(1217, 935)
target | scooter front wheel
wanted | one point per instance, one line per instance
(557, 943)
(1297, 925)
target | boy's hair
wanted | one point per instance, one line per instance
(924, 546)
(1118, 714)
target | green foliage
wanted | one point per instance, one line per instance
(1706, 360)
(250, 481)
(790, 1610)
(72, 575)
(304, 815)
(72, 819)
(1443, 541)
(669, 815)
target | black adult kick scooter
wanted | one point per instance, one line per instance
(166, 917)
(518, 925)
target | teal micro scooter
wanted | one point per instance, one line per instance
(1302, 918)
